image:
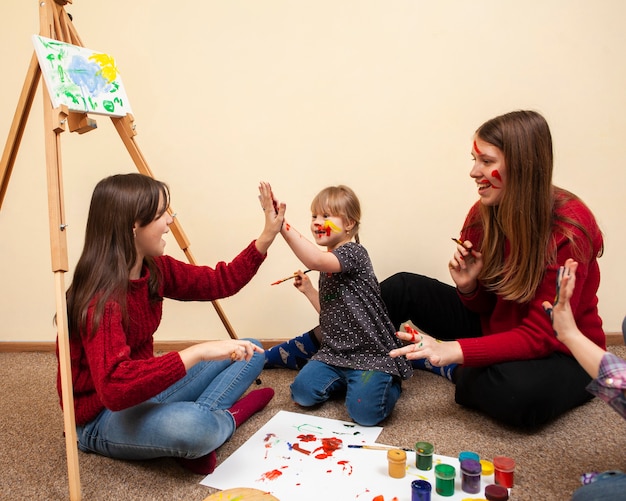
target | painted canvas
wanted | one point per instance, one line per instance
(82, 79)
(308, 458)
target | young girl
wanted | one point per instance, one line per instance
(357, 335)
(129, 403)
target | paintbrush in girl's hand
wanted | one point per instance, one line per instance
(287, 278)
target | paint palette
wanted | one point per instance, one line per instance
(304, 457)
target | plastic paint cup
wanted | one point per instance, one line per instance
(495, 492)
(470, 476)
(424, 456)
(487, 467)
(468, 455)
(397, 463)
(420, 490)
(503, 470)
(444, 479)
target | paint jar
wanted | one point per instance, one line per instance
(470, 476)
(424, 455)
(444, 479)
(420, 490)
(495, 492)
(468, 455)
(397, 463)
(503, 470)
(487, 467)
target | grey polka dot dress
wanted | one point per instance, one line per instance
(356, 330)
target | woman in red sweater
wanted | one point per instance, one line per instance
(129, 403)
(490, 334)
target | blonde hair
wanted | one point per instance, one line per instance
(339, 201)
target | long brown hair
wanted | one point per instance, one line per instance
(526, 215)
(339, 201)
(109, 252)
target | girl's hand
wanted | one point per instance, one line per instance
(234, 350)
(438, 353)
(274, 217)
(302, 283)
(465, 266)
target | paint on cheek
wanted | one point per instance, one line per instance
(495, 173)
(330, 226)
(476, 148)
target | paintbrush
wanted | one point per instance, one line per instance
(290, 277)
(379, 447)
(462, 244)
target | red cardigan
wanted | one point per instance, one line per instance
(115, 368)
(513, 331)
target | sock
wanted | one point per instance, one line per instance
(251, 403)
(446, 371)
(202, 465)
(292, 354)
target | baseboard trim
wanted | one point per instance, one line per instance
(612, 339)
(159, 346)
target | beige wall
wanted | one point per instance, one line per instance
(381, 95)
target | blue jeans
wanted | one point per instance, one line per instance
(607, 485)
(189, 419)
(370, 395)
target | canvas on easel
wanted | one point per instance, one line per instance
(82, 79)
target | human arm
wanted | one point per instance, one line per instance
(274, 217)
(438, 353)
(588, 354)
(234, 349)
(607, 370)
(304, 285)
(465, 266)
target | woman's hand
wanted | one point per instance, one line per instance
(438, 353)
(234, 350)
(274, 217)
(465, 266)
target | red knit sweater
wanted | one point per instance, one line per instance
(513, 331)
(116, 367)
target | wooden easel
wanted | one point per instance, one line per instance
(56, 24)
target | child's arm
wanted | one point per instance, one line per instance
(304, 285)
(310, 254)
(588, 354)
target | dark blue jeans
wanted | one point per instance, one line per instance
(370, 395)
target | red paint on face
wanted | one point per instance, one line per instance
(476, 148)
(495, 173)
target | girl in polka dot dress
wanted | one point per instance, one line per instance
(357, 334)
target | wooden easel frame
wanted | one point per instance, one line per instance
(55, 23)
